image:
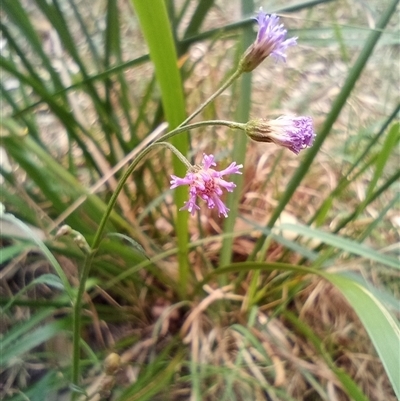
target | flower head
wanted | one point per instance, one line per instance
(207, 184)
(271, 39)
(294, 133)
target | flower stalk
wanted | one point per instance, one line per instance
(77, 306)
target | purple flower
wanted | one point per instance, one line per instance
(207, 184)
(271, 39)
(294, 133)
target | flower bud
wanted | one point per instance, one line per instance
(271, 40)
(294, 133)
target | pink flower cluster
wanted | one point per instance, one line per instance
(206, 183)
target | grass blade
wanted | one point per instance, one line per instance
(13, 220)
(156, 30)
(239, 149)
(342, 243)
(32, 340)
(382, 328)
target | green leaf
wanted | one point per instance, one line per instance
(348, 383)
(16, 12)
(21, 225)
(135, 245)
(240, 142)
(10, 252)
(49, 279)
(157, 33)
(20, 330)
(384, 155)
(382, 328)
(342, 243)
(154, 379)
(32, 340)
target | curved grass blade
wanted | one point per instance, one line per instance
(50, 280)
(360, 208)
(41, 245)
(385, 151)
(320, 214)
(343, 243)
(33, 339)
(17, 14)
(383, 330)
(64, 114)
(347, 382)
(156, 376)
(21, 329)
(10, 252)
(218, 32)
(93, 50)
(198, 17)
(112, 53)
(57, 19)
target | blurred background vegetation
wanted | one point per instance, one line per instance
(295, 296)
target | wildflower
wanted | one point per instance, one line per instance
(207, 184)
(270, 40)
(294, 133)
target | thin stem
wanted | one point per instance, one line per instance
(229, 82)
(178, 130)
(177, 153)
(89, 259)
(99, 233)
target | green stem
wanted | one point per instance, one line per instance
(229, 82)
(178, 130)
(99, 233)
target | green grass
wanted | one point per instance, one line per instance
(293, 297)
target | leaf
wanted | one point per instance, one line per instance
(384, 152)
(157, 33)
(32, 340)
(49, 279)
(382, 328)
(21, 225)
(9, 252)
(131, 241)
(342, 243)
(17, 331)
